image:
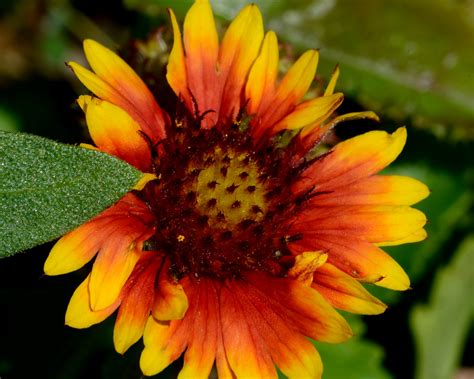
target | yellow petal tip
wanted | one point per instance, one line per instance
(143, 181)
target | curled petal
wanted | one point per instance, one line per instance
(359, 259)
(171, 302)
(344, 292)
(79, 313)
(305, 265)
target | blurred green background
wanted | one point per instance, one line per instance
(410, 61)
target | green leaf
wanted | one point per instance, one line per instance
(357, 358)
(440, 327)
(49, 188)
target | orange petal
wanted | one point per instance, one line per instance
(344, 292)
(176, 68)
(78, 247)
(116, 133)
(239, 48)
(246, 352)
(290, 350)
(201, 352)
(292, 88)
(260, 86)
(171, 302)
(137, 301)
(114, 264)
(359, 259)
(373, 223)
(201, 45)
(79, 314)
(136, 98)
(224, 371)
(311, 113)
(376, 190)
(351, 160)
(302, 307)
(305, 265)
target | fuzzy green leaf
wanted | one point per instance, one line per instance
(48, 188)
(440, 327)
(356, 358)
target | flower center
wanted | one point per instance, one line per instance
(229, 191)
(220, 205)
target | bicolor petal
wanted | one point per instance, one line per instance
(164, 343)
(311, 113)
(79, 314)
(344, 292)
(291, 90)
(246, 352)
(135, 97)
(201, 45)
(305, 265)
(115, 132)
(176, 68)
(137, 301)
(352, 160)
(260, 85)
(375, 190)
(239, 48)
(359, 259)
(171, 302)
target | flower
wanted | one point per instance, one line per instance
(241, 245)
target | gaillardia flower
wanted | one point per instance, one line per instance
(240, 247)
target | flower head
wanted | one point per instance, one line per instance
(241, 246)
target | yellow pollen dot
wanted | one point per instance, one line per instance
(180, 238)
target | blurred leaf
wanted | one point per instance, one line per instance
(356, 359)
(8, 122)
(49, 188)
(440, 327)
(410, 58)
(153, 7)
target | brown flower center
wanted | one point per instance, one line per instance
(221, 205)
